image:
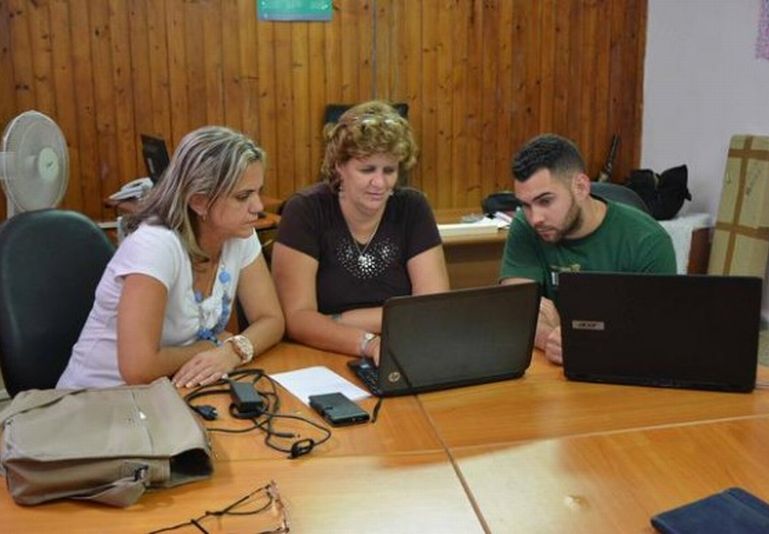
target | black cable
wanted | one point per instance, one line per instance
(263, 419)
(375, 411)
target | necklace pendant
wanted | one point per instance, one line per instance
(365, 261)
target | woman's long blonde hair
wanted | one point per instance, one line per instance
(208, 161)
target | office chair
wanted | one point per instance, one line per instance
(334, 111)
(50, 264)
(618, 193)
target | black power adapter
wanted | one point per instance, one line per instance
(246, 400)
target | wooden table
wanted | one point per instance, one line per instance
(414, 492)
(537, 454)
(613, 481)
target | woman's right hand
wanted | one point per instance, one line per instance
(207, 367)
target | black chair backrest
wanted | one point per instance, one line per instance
(334, 111)
(618, 193)
(50, 264)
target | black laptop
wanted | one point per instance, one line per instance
(452, 339)
(155, 154)
(696, 331)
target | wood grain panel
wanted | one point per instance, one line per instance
(480, 77)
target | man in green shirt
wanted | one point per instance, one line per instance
(561, 227)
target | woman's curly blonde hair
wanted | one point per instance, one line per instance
(369, 128)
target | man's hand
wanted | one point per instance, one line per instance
(552, 348)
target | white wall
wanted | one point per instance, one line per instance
(702, 84)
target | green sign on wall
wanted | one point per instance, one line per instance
(294, 9)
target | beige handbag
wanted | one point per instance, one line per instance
(103, 445)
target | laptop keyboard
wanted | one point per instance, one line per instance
(368, 373)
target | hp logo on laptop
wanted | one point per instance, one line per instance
(393, 377)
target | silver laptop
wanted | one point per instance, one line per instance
(452, 339)
(696, 331)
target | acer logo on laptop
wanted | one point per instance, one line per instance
(588, 325)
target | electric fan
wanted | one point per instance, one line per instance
(34, 164)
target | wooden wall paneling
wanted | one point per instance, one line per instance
(587, 104)
(106, 141)
(350, 43)
(548, 49)
(247, 56)
(40, 40)
(474, 109)
(234, 98)
(617, 96)
(636, 20)
(489, 96)
(531, 19)
(213, 49)
(444, 56)
(300, 104)
(22, 55)
(520, 49)
(507, 37)
(561, 69)
(574, 73)
(318, 99)
(241, 18)
(268, 104)
(332, 58)
(429, 100)
(158, 65)
(284, 118)
(599, 115)
(409, 64)
(8, 100)
(176, 25)
(8, 108)
(142, 68)
(65, 95)
(195, 47)
(480, 77)
(384, 64)
(459, 26)
(122, 91)
(364, 45)
(86, 141)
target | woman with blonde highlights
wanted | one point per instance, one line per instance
(349, 243)
(164, 301)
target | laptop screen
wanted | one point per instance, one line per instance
(457, 338)
(694, 331)
(155, 156)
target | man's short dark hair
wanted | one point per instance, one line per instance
(547, 151)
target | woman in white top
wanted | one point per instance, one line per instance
(165, 298)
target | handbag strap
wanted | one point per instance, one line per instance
(122, 492)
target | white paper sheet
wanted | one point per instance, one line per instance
(316, 381)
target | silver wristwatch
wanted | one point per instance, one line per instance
(243, 347)
(367, 338)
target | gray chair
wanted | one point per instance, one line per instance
(50, 264)
(618, 193)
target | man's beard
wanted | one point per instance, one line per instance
(571, 223)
